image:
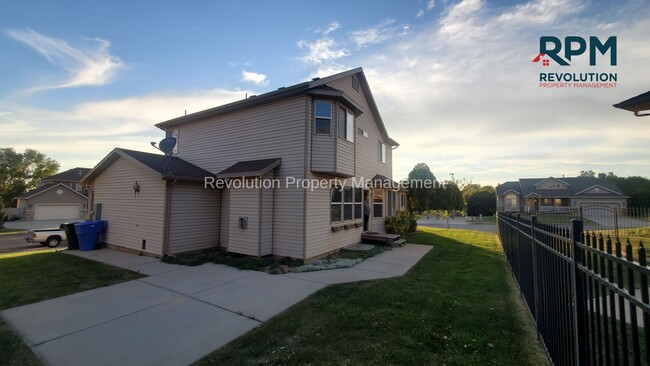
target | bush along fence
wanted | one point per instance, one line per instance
(587, 293)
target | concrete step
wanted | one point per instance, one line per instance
(398, 243)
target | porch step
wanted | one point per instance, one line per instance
(398, 243)
(376, 238)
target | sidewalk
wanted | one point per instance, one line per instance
(178, 314)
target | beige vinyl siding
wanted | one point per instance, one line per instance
(320, 237)
(244, 202)
(367, 149)
(288, 220)
(345, 157)
(131, 218)
(225, 217)
(266, 219)
(194, 217)
(268, 131)
(322, 153)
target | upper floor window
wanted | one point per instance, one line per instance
(355, 82)
(382, 152)
(323, 117)
(346, 124)
(174, 134)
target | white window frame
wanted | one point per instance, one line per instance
(382, 152)
(354, 203)
(347, 130)
(174, 134)
(317, 117)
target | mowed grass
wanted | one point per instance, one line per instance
(457, 306)
(36, 276)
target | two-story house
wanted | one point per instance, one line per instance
(57, 197)
(282, 173)
(558, 194)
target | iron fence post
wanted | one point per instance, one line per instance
(533, 223)
(578, 295)
(518, 215)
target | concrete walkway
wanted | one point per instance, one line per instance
(178, 314)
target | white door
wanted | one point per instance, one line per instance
(55, 212)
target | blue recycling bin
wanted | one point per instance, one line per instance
(88, 234)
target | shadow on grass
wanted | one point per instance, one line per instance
(454, 307)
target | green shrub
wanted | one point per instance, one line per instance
(401, 225)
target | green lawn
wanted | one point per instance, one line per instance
(457, 306)
(35, 276)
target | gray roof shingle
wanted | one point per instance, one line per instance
(250, 168)
(71, 175)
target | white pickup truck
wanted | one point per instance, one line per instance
(51, 237)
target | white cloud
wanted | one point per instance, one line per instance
(331, 28)
(88, 65)
(321, 50)
(431, 4)
(461, 94)
(541, 11)
(82, 135)
(379, 33)
(253, 77)
(420, 13)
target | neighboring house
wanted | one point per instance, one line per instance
(60, 196)
(261, 158)
(558, 194)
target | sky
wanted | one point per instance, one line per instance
(454, 80)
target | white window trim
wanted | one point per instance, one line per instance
(382, 152)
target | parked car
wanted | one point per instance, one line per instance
(51, 237)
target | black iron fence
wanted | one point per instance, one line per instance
(586, 291)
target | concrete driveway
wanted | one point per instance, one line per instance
(178, 314)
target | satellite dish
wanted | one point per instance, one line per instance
(167, 145)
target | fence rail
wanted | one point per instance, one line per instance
(586, 291)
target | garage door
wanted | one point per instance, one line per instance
(53, 212)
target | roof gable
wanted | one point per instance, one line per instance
(167, 167)
(44, 188)
(597, 189)
(550, 180)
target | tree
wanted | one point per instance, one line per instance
(469, 190)
(483, 202)
(638, 188)
(587, 174)
(20, 172)
(421, 182)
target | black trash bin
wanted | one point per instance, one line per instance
(71, 235)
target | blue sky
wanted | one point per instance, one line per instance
(453, 79)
